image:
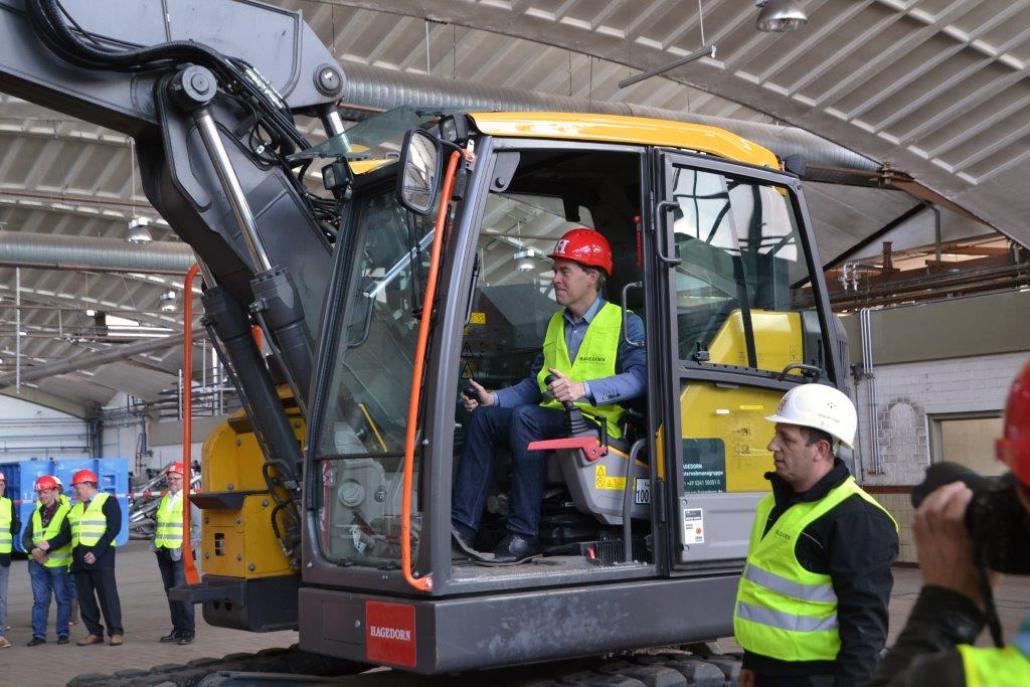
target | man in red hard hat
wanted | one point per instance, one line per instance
(9, 528)
(96, 520)
(167, 546)
(48, 539)
(936, 648)
(585, 360)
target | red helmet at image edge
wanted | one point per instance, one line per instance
(1014, 446)
(84, 476)
(585, 246)
(175, 468)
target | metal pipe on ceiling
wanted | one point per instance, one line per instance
(62, 252)
(88, 360)
(367, 90)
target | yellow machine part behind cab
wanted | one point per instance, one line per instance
(736, 416)
(238, 540)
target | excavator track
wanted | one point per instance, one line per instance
(668, 668)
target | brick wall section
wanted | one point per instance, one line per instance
(908, 394)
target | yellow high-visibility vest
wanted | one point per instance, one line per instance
(56, 558)
(993, 667)
(89, 524)
(169, 523)
(594, 360)
(783, 610)
(6, 515)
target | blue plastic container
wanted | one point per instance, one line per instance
(113, 474)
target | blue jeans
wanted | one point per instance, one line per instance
(47, 581)
(488, 428)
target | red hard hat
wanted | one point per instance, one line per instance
(585, 246)
(1014, 446)
(84, 476)
(46, 482)
(176, 468)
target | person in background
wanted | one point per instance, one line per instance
(96, 520)
(73, 602)
(48, 539)
(167, 545)
(9, 528)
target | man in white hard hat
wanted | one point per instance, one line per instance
(812, 602)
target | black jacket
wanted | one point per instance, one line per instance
(855, 544)
(64, 534)
(103, 550)
(5, 558)
(925, 652)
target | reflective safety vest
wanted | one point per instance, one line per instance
(783, 610)
(594, 360)
(992, 667)
(56, 558)
(89, 524)
(169, 523)
(6, 511)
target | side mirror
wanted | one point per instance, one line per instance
(419, 180)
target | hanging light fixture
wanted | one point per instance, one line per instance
(169, 301)
(139, 230)
(778, 16)
(525, 260)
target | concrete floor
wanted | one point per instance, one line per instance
(145, 616)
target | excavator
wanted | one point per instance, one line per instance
(353, 286)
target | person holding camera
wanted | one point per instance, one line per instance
(812, 601)
(964, 530)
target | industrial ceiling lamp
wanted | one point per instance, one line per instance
(169, 301)
(780, 15)
(138, 231)
(525, 260)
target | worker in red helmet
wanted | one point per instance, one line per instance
(585, 360)
(963, 529)
(167, 546)
(10, 525)
(96, 520)
(48, 539)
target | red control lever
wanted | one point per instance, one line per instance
(588, 445)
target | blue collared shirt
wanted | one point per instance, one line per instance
(630, 363)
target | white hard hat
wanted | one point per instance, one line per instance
(2, 478)
(820, 407)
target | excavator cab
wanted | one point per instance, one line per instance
(440, 276)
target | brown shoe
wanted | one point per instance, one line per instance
(90, 639)
(117, 640)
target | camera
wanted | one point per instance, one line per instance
(998, 525)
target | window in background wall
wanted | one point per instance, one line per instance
(967, 440)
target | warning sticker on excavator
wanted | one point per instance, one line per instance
(603, 481)
(693, 526)
(477, 318)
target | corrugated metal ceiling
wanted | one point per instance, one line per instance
(937, 88)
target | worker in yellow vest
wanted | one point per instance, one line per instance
(73, 602)
(167, 546)
(936, 647)
(48, 539)
(10, 525)
(592, 365)
(96, 520)
(812, 601)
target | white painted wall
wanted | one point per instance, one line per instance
(910, 392)
(30, 431)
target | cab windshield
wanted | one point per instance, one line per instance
(361, 435)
